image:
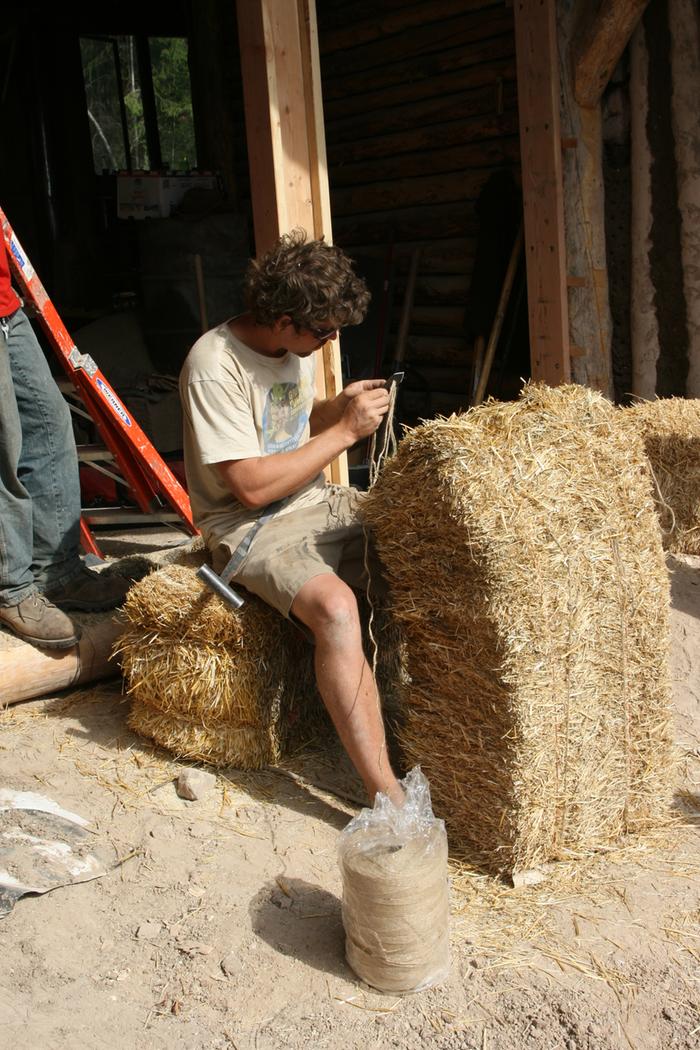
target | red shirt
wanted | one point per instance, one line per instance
(8, 300)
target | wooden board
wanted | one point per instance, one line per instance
(423, 113)
(476, 155)
(462, 31)
(430, 137)
(286, 143)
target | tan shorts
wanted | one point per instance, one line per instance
(290, 550)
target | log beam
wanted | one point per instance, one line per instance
(602, 34)
(543, 199)
(286, 142)
(27, 672)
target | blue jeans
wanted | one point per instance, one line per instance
(39, 481)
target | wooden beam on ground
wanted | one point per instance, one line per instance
(543, 199)
(286, 141)
(27, 672)
(602, 34)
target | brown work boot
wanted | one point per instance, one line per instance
(37, 621)
(90, 592)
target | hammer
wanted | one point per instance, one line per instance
(221, 584)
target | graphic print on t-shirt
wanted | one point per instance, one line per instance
(285, 416)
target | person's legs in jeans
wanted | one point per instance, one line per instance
(16, 518)
(41, 572)
(47, 469)
(22, 607)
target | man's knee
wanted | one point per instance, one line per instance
(327, 605)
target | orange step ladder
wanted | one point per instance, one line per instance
(149, 479)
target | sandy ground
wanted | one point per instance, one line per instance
(220, 924)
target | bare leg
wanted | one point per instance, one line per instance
(345, 681)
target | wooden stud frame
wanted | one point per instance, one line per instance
(286, 142)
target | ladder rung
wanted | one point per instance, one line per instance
(90, 453)
(126, 516)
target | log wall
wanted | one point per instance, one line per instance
(420, 109)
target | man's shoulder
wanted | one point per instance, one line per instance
(213, 357)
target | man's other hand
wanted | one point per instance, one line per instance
(366, 408)
(360, 386)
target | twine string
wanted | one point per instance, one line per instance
(379, 453)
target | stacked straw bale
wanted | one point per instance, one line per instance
(209, 683)
(527, 574)
(229, 687)
(670, 430)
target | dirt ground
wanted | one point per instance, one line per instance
(220, 924)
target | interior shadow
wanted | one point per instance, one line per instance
(302, 920)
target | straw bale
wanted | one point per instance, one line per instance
(526, 571)
(231, 682)
(220, 744)
(670, 430)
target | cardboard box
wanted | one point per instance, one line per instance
(152, 196)
(141, 197)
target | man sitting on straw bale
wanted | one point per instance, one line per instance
(256, 443)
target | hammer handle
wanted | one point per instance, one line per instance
(225, 592)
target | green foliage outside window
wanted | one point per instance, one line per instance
(171, 86)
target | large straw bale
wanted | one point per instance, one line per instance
(670, 430)
(218, 682)
(526, 570)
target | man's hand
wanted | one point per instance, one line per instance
(366, 408)
(357, 413)
(359, 387)
(331, 411)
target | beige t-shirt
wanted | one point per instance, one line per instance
(239, 404)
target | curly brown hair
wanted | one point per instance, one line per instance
(312, 282)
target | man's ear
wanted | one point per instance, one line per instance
(281, 323)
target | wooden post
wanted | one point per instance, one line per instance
(684, 24)
(590, 321)
(601, 36)
(286, 141)
(543, 199)
(592, 37)
(644, 325)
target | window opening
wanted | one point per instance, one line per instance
(139, 103)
